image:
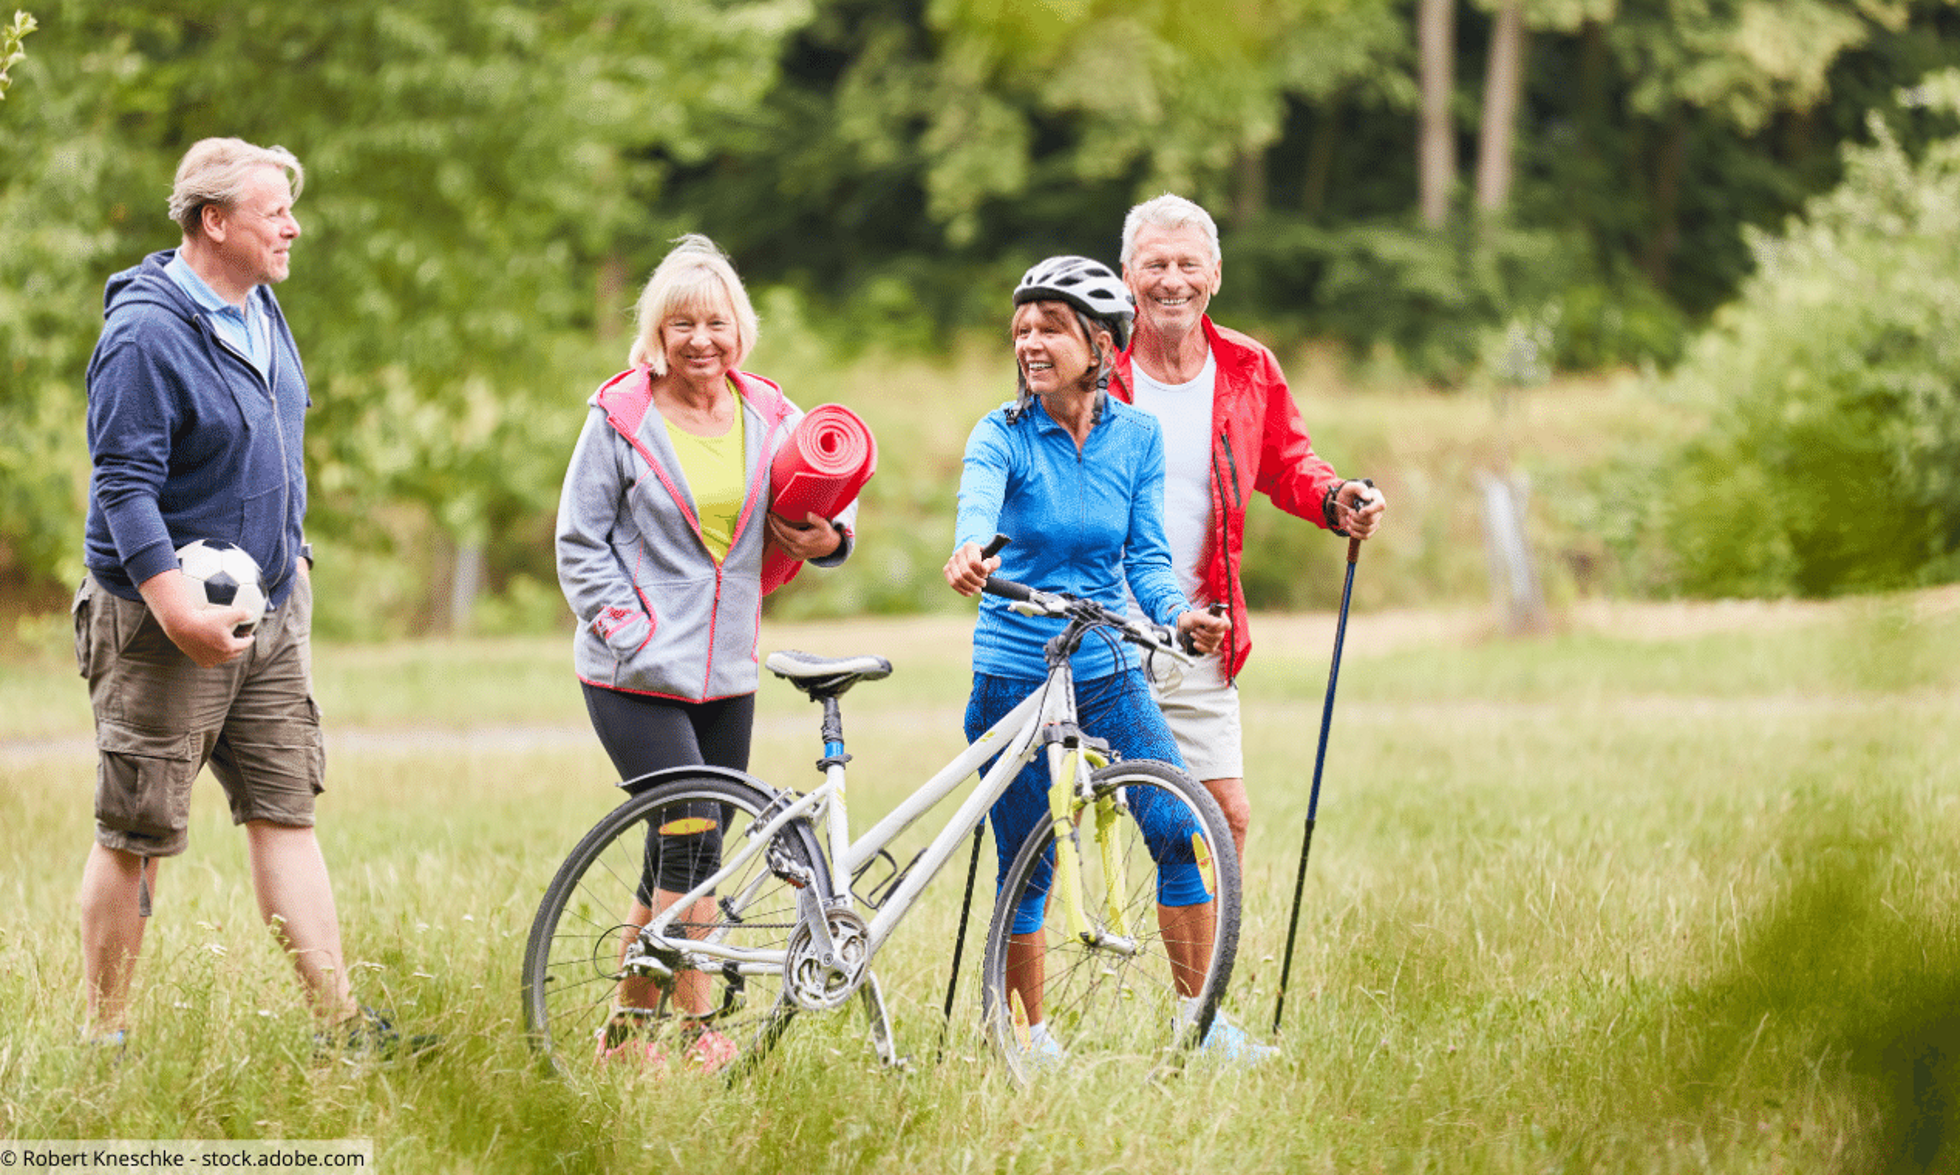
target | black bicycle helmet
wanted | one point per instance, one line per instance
(1086, 284)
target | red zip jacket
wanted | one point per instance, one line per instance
(1258, 442)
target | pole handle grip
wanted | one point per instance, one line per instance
(1354, 544)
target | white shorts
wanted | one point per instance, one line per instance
(1203, 712)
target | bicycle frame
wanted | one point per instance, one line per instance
(1015, 738)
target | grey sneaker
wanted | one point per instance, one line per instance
(372, 1035)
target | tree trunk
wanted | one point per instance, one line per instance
(1503, 81)
(1595, 113)
(1249, 180)
(1436, 150)
(1668, 167)
(1320, 157)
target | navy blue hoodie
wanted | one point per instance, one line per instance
(188, 440)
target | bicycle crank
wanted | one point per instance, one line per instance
(820, 975)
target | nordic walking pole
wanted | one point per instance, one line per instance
(972, 870)
(1319, 761)
(959, 939)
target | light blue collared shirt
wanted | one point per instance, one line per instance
(246, 328)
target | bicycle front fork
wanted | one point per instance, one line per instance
(1071, 761)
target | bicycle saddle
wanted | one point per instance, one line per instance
(825, 677)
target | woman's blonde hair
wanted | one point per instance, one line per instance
(214, 171)
(696, 276)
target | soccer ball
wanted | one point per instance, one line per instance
(228, 575)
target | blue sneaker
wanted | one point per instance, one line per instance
(1039, 1053)
(1229, 1044)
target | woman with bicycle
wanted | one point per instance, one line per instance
(1076, 478)
(662, 528)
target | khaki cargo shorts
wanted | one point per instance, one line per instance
(159, 719)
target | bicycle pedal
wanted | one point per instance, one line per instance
(647, 967)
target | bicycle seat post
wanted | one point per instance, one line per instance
(837, 819)
(833, 735)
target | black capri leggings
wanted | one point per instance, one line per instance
(642, 735)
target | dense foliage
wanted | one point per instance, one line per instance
(488, 181)
(1833, 460)
(470, 167)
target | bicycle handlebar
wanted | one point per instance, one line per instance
(995, 585)
(1085, 613)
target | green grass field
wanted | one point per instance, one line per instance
(1673, 890)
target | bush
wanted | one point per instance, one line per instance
(1832, 463)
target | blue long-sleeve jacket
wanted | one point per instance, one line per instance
(1082, 522)
(187, 439)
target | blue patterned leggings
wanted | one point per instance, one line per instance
(1118, 708)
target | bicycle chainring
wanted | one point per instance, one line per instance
(818, 983)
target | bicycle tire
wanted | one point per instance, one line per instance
(574, 1001)
(1104, 1005)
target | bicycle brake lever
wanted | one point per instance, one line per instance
(1034, 603)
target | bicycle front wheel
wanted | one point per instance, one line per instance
(593, 991)
(1134, 974)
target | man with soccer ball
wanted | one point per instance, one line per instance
(196, 420)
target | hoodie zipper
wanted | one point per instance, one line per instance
(269, 383)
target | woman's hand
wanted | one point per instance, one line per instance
(813, 538)
(966, 571)
(1204, 630)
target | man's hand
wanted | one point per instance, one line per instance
(813, 538)
(202, 630)
(967, 571)
(1204, 631)
(1360, 507)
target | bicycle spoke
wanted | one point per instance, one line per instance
(583, 970)
(1100, 1003)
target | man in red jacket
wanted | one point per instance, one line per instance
(1230, 428)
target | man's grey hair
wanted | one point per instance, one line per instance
(214, 171)
(696, 278)
(1168, 212)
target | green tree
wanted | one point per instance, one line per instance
(1833, 463)
(470, 167)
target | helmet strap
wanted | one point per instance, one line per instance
(1023, 396)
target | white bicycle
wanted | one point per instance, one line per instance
(710, 900)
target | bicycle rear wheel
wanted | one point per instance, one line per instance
(592, 993)
(1145, 986)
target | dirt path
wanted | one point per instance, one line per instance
(928, 638)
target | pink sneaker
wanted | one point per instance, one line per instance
(619, 1046)
(710, 1051)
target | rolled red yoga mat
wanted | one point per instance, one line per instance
(826, 461)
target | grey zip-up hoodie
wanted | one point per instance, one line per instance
(657, 615)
